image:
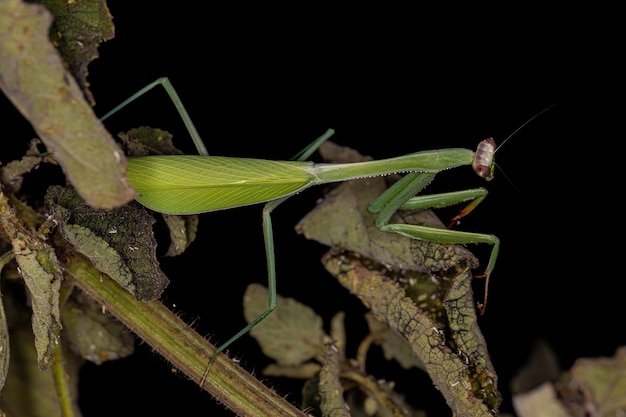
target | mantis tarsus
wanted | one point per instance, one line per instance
(192, 184)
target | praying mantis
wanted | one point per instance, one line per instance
(193, 184)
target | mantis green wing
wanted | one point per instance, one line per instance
(191, 184)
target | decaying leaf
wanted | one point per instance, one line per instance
(331, 391)
(42, 275)
(143, 141)
(79, 27)
(182, 232)
(29, 390)
(302, 350)
(4, 343)
(11, 175)
(33, 76)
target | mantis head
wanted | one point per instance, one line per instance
(483, 162)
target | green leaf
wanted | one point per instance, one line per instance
(291, 335)
(34, 78)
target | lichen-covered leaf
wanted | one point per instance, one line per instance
(34, 78)
(449, 369)
(101, 255)
(42, 275)
(77, 30)
(291, 335)
(91, 334)
(124, 236)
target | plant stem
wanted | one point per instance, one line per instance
(189, 352)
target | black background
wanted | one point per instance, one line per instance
(265, 87)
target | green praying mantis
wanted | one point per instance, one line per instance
(193, 184)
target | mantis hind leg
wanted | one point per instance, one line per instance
(402, 196)
(173, 95)
(268, 236)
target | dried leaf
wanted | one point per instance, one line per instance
(541, 401)
(11, 175)
(603, 383)
(291, 335)
(34, 78)
(305, 371)
(338, 333)
(542, 366)
(93, 334)
(30, 391)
